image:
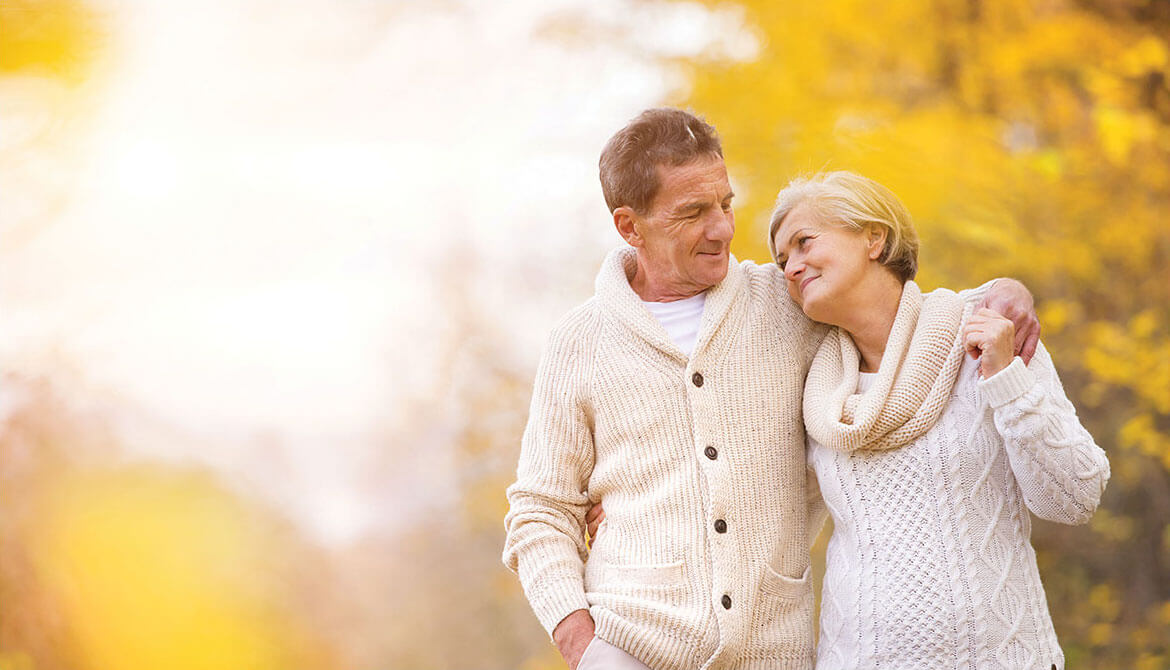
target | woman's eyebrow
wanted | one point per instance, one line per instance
(795, 233)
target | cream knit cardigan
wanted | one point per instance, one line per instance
(672, 445)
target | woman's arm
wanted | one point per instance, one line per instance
(1060, 469)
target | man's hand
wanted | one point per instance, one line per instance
(1013, 300)
(593, 519)
(989, 337)
(572, 635)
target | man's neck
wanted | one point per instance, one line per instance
(651, 290)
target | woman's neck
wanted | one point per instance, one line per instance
(870, 324)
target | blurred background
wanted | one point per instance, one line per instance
(274, 279)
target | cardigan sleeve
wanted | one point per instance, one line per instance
(545, 523)
(818, 512)
(1060, 469)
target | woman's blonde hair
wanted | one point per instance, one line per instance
(847, 199)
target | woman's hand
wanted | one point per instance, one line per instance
(990, 337)
(593, 519)
(1013, 300)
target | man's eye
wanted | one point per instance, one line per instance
(781, 264)
(801, 240)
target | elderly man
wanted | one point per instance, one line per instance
(674, 395)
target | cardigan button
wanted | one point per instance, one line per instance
(726, 602)
(720, 526)
(711, 452)
(697, 379)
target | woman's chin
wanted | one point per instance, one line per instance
(815, 311)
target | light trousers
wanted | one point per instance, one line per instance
(601, 655)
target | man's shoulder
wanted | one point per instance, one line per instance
(766, 269)
(762, 275)
(767, 285)
(578, 324)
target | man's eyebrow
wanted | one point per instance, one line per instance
(697, 205)
(689, 206)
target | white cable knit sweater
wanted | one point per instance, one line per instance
(930, 564)
(703, 560)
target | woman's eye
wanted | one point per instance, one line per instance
(801, 240)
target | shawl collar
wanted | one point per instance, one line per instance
(614, 292)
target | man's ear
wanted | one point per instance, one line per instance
(625, 219)
(875, 240)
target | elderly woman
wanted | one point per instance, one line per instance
(929, 464)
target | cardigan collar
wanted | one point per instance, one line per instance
(614, 292)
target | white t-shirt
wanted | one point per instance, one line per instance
(680, 319)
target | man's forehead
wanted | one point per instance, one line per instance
(698, 174)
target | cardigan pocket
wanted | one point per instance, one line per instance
(782, 621)
(782, 586)
(641, 593)
(650, 576)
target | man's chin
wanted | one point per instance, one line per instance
(715, 277)
(714, 267)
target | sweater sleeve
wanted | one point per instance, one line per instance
(1060, 469)
(544, 542)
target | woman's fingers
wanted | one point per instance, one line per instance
(593, 519)
(991, 338)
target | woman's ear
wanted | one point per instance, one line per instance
(875, 240)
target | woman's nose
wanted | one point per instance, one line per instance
(792, 269)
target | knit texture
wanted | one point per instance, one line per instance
(913, 383)
(672, 444)
(930, 564)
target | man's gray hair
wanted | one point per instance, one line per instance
(663, 136)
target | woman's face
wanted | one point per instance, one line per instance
(823, 263)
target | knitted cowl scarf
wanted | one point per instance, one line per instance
(913, 385)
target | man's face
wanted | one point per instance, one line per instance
(686, 235)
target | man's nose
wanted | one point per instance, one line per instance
(721, 226)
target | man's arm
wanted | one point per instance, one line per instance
(547, 504)
(1014, 301)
